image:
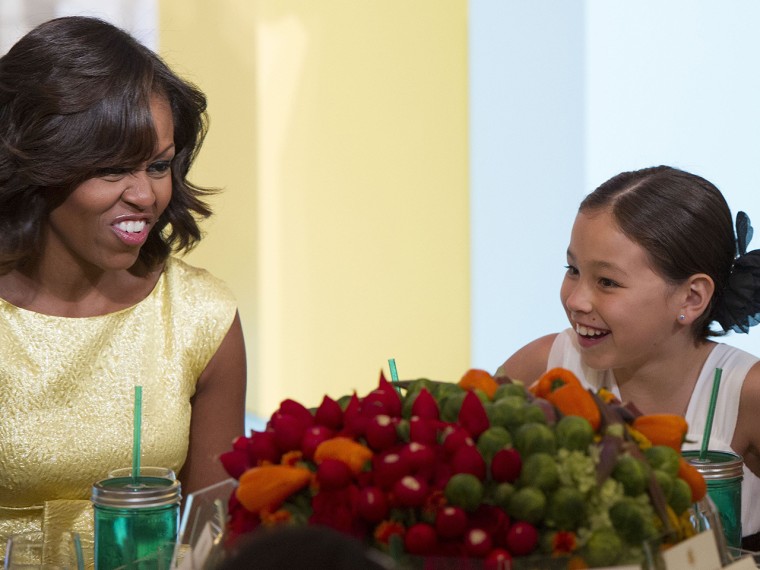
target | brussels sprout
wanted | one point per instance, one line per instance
(510, 389)
(527, 504)
(632, 474)
(492, 440)
(574, 433)
(540, 470)
(680, 496)
(567, 508)
(534, 437)
(603, 547)
(630, 521)
(664, 458)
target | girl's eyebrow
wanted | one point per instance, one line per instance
(601, 264)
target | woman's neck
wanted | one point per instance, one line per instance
(73, 291)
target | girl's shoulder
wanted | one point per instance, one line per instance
(529, 362)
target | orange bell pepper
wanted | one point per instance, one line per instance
(662, 429)
(563, 389)
(480, 379)
(344, 449)
(267, 486)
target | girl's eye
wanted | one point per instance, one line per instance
(571, 270)
(159, 168)
(604, 282)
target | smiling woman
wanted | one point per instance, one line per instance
(98, 136)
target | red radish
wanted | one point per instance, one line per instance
(423, 431)
(420, 539)
(522, 538)
(499, 559)
(455, 437)
(477, 542)
(372, 504)
(329, 414)
(288, 431)
(467, 459)
(506, 465)
(425, 406)
(312, 438)
(410, 491)
(333, 474)
(418, 455)
(262, 447)
(381, 432)
(450, 522)
(387, 468)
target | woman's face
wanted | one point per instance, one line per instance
(105, 221)
(623, 312)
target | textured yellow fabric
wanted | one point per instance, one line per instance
(67, 392)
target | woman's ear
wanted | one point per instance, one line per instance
(699, 290)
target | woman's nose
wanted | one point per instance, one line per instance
(139, 191)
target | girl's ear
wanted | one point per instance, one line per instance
(699, 290)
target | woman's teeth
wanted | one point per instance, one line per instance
(132, 227)
(586, 331)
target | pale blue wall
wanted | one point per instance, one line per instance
(566, 94)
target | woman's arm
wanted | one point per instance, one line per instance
(746, 441)
(218, 412)
(528, 363)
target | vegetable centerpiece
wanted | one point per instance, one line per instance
(484, 468)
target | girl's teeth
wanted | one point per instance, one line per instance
(132, 227)
(584, 331)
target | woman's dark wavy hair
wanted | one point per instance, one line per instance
(75, 97)
(681, 220)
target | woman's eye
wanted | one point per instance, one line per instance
(112, 174)
(159, 168)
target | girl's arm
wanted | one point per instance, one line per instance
(746, 440)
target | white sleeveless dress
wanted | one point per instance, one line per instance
(735, 363)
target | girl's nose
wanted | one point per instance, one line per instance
(577, 297)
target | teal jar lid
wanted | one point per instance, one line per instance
(717, 464)
(145, 492)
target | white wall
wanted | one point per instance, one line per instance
(563, 96)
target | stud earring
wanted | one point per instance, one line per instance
(681, 317)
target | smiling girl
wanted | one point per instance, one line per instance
(652, 265)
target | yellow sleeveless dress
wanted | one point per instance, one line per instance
(67, 394)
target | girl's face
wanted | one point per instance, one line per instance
(624, 314)
(105, 221)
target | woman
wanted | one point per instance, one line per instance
(652, 263)
(97, 136)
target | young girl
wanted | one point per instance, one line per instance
(652, 263)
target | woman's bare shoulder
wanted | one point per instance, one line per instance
(528, 363)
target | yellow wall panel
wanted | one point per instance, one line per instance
(339, 131)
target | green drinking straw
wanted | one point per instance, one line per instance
(136, 435)
(710, 414)
(394, 373)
